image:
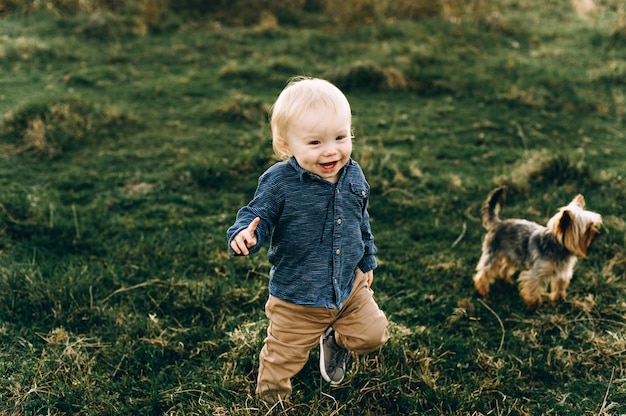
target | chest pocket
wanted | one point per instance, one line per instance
(359, 193)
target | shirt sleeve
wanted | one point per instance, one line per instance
(266, 206)
(368, 262)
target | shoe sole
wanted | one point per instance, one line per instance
(323, 366)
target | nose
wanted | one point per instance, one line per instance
(330, 149)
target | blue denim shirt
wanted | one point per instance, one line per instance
(320, 232)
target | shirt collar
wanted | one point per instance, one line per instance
(303, 172)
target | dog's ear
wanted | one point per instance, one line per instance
(569, 235)
(579, 200)
(575, 236)
(565, 222)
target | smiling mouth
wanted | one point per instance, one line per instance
(328, 166)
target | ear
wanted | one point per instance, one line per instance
(281, 147)
(564, 222)
(579, 200)
(569, 234)
(283, 143)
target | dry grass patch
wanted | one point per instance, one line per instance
(48, 130)
(242, 108)
(370, 77)
(541, 167)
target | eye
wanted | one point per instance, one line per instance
(339, 138)
(314, 142)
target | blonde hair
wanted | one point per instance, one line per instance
(303, 94)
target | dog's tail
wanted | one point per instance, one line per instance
(491, 207)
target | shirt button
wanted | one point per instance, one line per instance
(337, 252)
(339, 221)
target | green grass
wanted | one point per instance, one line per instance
(124, 158)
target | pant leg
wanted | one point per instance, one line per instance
(361, 326)
(293, 331)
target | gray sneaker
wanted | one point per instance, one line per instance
(334, 360)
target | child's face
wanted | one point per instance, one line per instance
(321, 146)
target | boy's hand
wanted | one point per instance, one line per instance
(369, 278)
(245, 239)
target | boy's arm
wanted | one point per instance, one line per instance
(245, 239)
(248, 234)
(255, 221)
(368, 262)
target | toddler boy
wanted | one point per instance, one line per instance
(313, 207)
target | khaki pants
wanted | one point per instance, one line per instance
(294, 330)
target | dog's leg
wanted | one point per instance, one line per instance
(530, 289)
(483, 279)
(558, 287)
(507, 270)
(561, 281)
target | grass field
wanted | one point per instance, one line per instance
(126, 150)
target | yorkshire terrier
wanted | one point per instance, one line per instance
(542, 255)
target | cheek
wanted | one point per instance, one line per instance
(295, 148)
(304, 156)
(348, 148)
